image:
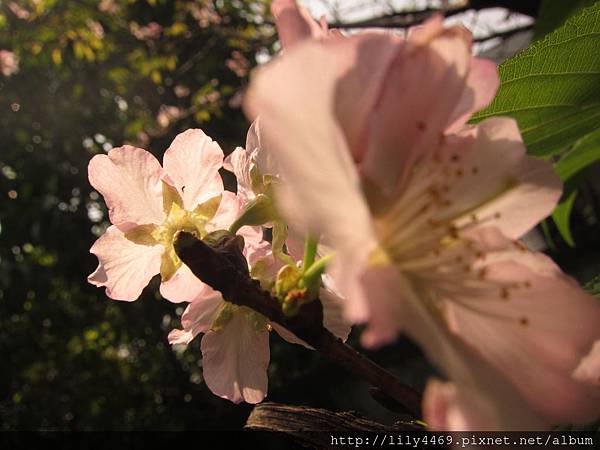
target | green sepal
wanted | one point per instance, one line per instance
(169, 263)
(287, 279)
(279, 237)
(204, 212)
(258, 212)
(223, 316)
(311, 278)
(257, 320)
(170, 196)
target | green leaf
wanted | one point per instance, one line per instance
(593, 286)
(585, 152)
(554, 13)
(552, 88)
(562, 216)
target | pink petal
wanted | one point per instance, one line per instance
(294, 23)
(235, 361)
(333, 317)
(452, 407)
(200, 314)
(288, 336)
(347, 270)
(538, 334)
(184, 286)
(239, 162)
(446, 407)
(228, 211)
(495, 180)
(193, 161)
(421, 88)
(482, 398)
(482, 389)
(242, 161)
(257, 250)
(125, 268)
(180, 337)
(262, 157)
(296, 137)
(197, 318)
(588, 370)
(482, 84)
(383, 288)
(129, 178)
(253, 136)
(359, 85)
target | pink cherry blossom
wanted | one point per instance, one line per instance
(252, 166)
(424, 213)
(235, 345)
(148, 204)
(9, 63)
(149, 32)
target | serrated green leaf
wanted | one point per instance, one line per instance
(585, 152)
(554, 13)
(552, 88)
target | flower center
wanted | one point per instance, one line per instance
(430, 233)
(177, 219)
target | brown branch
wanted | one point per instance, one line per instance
(504, 34)
(303, 424)
(221, 268)
(402, 19)
(405, 19)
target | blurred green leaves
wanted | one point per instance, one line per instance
(585, 152)
(552, 88)
(96, 74)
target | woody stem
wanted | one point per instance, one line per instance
(219, 267)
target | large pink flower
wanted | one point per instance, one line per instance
(424, 212)
(148, 204)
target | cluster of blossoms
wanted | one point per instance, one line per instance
(364, 143)
(148, 205)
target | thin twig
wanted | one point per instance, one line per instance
(405, 19)
(504, 34)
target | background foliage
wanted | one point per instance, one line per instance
(93, 74)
